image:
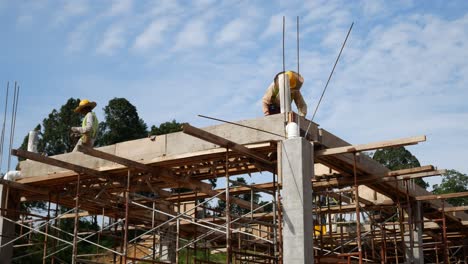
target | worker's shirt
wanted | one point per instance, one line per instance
(272, 97)
(89, 127)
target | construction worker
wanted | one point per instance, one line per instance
(89, 126)
(271, 99)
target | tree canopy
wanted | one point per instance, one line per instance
(234, 208)
(121, 123)
(166, 128)
(453, 181)
(397, 159)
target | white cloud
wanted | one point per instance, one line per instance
(113, 39)
(405, 79)
(204, 3)
(164, 8)
(120, 7)
(192, 35)
(152, 35)
(373, 7)
(275, 26)
(236, 30)
(28, 12)
(71, 9)
(77, 39)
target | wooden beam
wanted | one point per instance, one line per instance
(24, 187)
(455, 209)
(165, 175)
(202, 134)
(423, 171)
(370, 146)
(441, 196)
(386, 177)
(58, 163)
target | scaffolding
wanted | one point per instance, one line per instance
(160, 210)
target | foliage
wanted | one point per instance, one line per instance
(452, 182)
(34, 253)
(54, 137)
(234, 208)
(397, 159)
(171, 127)
(121, 123)
(200, 255)
(166, 128)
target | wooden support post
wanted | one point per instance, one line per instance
(44, 252)
(228, 213)
(75, 230)
(127, 204)
(358, 218)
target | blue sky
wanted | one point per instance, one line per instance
(403, 72)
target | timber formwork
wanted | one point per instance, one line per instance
(133, 190)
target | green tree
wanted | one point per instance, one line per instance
(452, 182)
(54, 134)
(397, 159)
(121, 123)
(166, 128)
(56, 137)
(236, 209)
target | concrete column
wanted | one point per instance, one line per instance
(284, 93)
(416, 255)
(297, 168)
(8, 200)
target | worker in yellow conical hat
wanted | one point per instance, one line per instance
(89, 126)
(271, 99)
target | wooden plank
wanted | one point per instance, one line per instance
(24, 187)
(441, 196)
(371, 146)
(58, 163)
(166, 175)
(411, 170)
(201, 134)
(386, 177)
(455, 209)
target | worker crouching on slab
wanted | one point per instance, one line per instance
(276, 100)
(89, 126)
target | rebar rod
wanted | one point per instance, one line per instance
(2, 138)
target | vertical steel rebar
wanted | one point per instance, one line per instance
(13, 122)
(2, 137)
